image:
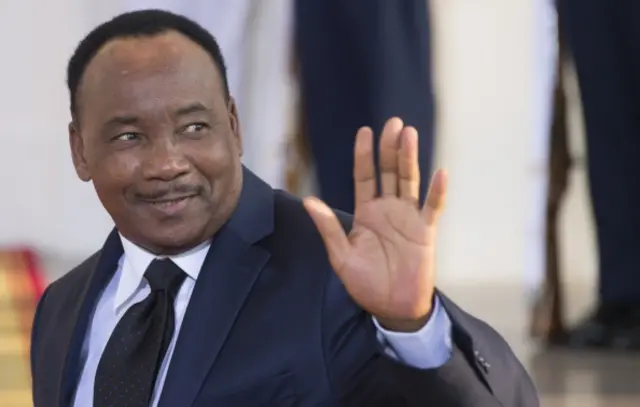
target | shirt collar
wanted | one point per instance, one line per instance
(135, 261)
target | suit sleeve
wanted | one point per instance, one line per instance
(34, 334)
(361, 374)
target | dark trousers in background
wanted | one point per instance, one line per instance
(604, 40)
(362, 62)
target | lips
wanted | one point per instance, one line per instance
(169, 202)
(170, 205)
(168, 199)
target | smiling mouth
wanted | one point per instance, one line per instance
(170, 206)
(169, 202)
(168, 199)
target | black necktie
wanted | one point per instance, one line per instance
(131, 360)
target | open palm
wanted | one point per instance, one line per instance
(386, 262)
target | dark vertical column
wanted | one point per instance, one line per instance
(362, 62)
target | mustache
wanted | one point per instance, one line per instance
(170, 191)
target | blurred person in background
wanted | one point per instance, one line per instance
(277, 300)
(603, 37)
(360, 62)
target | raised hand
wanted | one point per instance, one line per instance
(387, 261)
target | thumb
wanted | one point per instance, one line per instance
(332, 233)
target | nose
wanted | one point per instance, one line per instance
(165, 162)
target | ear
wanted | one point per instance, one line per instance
(77, 152)
(235, 123)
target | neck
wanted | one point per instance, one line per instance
(169, 251)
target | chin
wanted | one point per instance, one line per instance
(176, 239)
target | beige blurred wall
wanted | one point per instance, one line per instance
(492, 59)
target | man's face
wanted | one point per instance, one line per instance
(160, 141)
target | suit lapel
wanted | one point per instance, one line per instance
(100, 269)
(232, 266)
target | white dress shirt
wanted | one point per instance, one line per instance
(428, 348)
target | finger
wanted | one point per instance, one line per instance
(389, 143)
(408, 167)
(436, 197)
(364, 174)
(333, 235)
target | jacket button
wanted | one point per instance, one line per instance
(481, 361)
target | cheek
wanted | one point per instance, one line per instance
(114, 173)
(216, 162)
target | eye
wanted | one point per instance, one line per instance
(195, 128)
(130, 136)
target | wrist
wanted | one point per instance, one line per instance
(407, 325)
(404, 325)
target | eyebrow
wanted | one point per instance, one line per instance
(126, 120)
(196, 107)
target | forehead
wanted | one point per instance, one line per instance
(149, 72)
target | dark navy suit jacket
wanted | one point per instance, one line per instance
(270, 324)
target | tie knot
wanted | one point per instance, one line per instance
(164, 275)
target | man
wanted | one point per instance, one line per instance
(604, 40)
(214, 289)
